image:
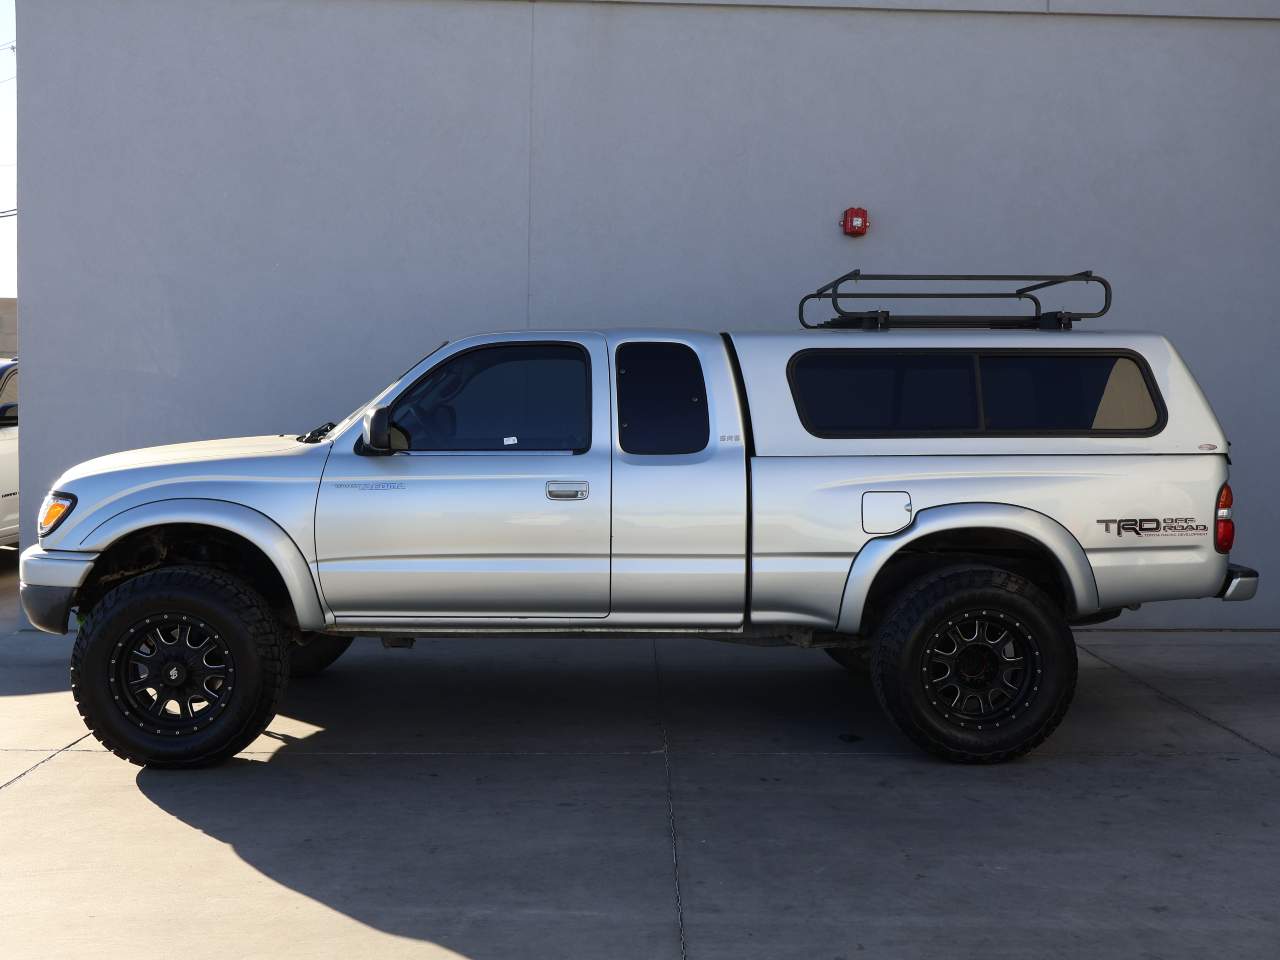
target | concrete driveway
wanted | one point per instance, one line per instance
(608, 799)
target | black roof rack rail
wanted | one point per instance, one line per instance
(1027, 285)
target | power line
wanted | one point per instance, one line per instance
(9, 213)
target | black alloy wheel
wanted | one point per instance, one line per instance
(980, 667)
(173, 674)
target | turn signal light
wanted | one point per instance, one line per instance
(1224, 528)
(53, 511)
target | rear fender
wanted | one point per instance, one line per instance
(1034, 526)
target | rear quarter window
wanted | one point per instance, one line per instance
(841, 393)
(662, 399)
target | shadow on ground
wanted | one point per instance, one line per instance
(508, 800)
(495, 797)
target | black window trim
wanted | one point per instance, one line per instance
(705, 392)
(1162, 414)
(484, 451)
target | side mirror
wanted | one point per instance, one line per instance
(8, 414)
(376, 439)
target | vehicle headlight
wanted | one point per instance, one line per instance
(54, 510)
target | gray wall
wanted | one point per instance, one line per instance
(245, 217)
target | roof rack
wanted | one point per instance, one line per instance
(1027, 286)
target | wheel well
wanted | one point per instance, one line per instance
(993, 547)
(188, 544)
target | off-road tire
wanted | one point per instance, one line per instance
(316, 655)
(900, 666)
(240, 619)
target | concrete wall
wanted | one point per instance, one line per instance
(247, 217)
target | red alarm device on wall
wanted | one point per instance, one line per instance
(855, 222)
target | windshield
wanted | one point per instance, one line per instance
(358, 412)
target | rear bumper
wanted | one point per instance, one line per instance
(49, 580)
(1241, 583)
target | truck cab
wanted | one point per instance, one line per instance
(539, 480)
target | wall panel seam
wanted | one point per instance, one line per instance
(1210, 11)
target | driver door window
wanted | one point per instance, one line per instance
(518, 397)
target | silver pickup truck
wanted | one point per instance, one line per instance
(938, 506)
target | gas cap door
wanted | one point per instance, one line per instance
(885, 511)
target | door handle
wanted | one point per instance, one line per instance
(567, 489)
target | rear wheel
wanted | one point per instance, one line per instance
(178, 667)
(315, 654)
(975, 664)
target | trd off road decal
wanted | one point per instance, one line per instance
(1156, 527)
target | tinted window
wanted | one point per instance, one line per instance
(841, 393)
(518, 397)
(662, 399)
(1073, 393)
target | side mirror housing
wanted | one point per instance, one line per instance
(376, 438)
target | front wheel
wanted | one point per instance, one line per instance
(975, 664)
(178, 667)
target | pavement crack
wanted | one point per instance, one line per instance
(41, 763)
(1174, 701)
(671, 807)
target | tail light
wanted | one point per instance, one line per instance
(1224, 528)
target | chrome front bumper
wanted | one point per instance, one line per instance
(1241, 583)
(49, 580)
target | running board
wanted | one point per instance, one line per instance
(753, 636)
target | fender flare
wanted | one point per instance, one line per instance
(1034, 526)
(257, 528)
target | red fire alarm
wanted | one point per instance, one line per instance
(855, 222)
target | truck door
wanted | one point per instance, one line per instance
(496, 501)
(679, 483)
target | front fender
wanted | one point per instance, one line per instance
(236, 518)
(1030, 524)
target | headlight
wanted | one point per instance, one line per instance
(54, 510)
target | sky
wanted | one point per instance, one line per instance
(8, 153)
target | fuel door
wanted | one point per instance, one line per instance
(885, 511)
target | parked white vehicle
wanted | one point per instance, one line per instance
(9, 515)
(951, 500)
